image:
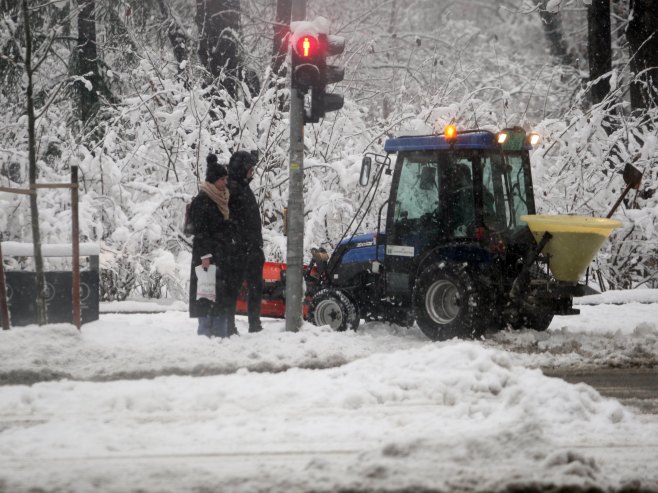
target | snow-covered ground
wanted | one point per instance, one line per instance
(138, 402)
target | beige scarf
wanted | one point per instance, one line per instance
(219, 198)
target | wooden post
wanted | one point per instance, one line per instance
(4, 310)
(75, 247)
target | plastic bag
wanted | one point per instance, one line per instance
(206, 282)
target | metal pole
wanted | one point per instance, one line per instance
(295, 254)
(4, 310)
(75, 247)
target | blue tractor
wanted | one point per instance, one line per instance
(454, 254)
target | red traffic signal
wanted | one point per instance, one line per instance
(307, 47)
(307, 60)
(310, 48)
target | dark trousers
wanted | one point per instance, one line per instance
(253, 274)
(227, 304)
(249, 268)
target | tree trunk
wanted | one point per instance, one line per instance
(599, 48)
(8, 6)
(218, 22)
(87, 60)
(9, 51)
(42, 317)
(281, 31)
(642, 35)
(392, 24)
(557, 46)
(176, 35)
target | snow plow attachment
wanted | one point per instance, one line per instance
(273, 303)
(574, 242)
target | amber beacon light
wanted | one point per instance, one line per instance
(450, 132)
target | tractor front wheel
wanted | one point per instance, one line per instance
(447, 302)
(333, 308)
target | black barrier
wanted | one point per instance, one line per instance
(21, 298)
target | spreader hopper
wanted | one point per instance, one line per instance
(574, 242)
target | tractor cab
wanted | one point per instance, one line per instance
(459, 190)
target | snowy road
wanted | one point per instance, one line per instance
(634, 387)
(148, 406)
(344, 428)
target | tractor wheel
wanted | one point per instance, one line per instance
(447, 303)
(333, 308)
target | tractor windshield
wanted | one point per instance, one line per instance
(434, 198)
(505, 191)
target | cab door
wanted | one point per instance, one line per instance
(413, 219)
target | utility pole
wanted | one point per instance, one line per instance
(4, 309)
(75, 248)
(295, 247)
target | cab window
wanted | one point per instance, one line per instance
(415, 214)
(418, 188)
(504, 191)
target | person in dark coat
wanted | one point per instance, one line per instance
(246, 214)
(212, 251)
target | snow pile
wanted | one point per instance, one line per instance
(155, 344)
(382, 408)
(601, 336)
(142, 306)
(430, 417)
(19, 249)
(620, 296)
(145, 346)
(564, 348)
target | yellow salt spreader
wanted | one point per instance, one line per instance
(571, 243)
(566, 244)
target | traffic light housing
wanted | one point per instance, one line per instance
(323, 102)
(310, 70)
(306, 62)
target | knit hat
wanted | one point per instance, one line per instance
(214, 170)
(240, 163)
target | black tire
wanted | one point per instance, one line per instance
(447, 303)
(334, 308)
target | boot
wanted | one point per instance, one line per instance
(255, 327)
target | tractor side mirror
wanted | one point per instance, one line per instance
(366, 165)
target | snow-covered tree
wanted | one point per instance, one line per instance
(411, 66)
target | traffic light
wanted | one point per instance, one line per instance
(311, 71)
(323, 102)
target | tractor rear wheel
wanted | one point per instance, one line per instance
(334, 308)
(447, 302)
